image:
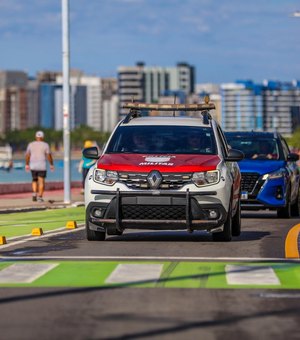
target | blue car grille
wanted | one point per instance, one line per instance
(249, 180)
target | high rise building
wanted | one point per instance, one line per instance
(241, 106)
(13, 100)
(281, 106)
(32, 103)
(110, 102)
(142, 83)
(86, 103)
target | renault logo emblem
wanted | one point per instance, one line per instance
(154, 179)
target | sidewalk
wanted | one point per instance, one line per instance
(14, 202)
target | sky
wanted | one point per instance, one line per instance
(226, 40)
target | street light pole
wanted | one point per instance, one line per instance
(66, 100)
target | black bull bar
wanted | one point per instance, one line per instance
(144, 196)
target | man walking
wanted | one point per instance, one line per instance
(37, 153)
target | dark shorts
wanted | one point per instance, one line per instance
(36, 173)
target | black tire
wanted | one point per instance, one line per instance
(295, 208)
(285, 212)
(236, 221)
(225, 235)
(92, 235)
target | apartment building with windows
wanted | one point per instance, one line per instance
(148, 83)
(241, 106)
(13, 100)
(281, 102)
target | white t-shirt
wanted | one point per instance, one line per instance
(38, 151)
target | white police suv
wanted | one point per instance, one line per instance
(164, 167)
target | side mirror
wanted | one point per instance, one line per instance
(293, 157)
(234, 155)
(91, 153)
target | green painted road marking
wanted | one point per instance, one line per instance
(20, 224)
(180, 274)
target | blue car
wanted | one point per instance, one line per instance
(270, 174)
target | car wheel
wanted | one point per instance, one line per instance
(295, 208)
(236, 221)
(285, 212)
(225, 235)
(93, 235)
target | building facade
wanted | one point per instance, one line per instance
(13, 101)
(147, 84)
(241, 106)
(281, 102)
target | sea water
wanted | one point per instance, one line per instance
(18, 174)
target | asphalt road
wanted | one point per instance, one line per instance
(158, 312)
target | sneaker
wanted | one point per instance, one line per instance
(34, 198)
(40, 199)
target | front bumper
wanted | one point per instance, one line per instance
(267, 194)
(156, 210)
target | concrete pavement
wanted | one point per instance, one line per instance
(53, 198)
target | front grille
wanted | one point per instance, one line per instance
(153, 212)
(169, 180)
(249, 180)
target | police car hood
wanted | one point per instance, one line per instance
(163, 163)
(260, 166)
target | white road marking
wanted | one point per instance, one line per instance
(250, 275)
(25, 272)
(128, 273)
(149, 258)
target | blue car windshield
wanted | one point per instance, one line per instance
(255, 147)
(153, 139)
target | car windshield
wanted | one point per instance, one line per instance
(163, 140)
(255, 147)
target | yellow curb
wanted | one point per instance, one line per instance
(291, 243)
(71, 225)
(37, 232)
(2, 240)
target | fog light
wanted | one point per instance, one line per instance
(213, 214)
(98, 212)
(279, 193)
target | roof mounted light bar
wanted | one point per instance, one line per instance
(136, 107)
(170, 107)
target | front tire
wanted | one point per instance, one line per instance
(295, 208)
(285, 212)
(92, 235)
(236, 221)
(225, 235)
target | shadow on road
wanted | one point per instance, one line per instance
(175, 236)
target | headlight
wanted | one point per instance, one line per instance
(106, 177)
(206, 178)
(276, 174)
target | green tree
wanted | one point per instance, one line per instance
(294, 140)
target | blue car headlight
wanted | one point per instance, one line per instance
(280, 173)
